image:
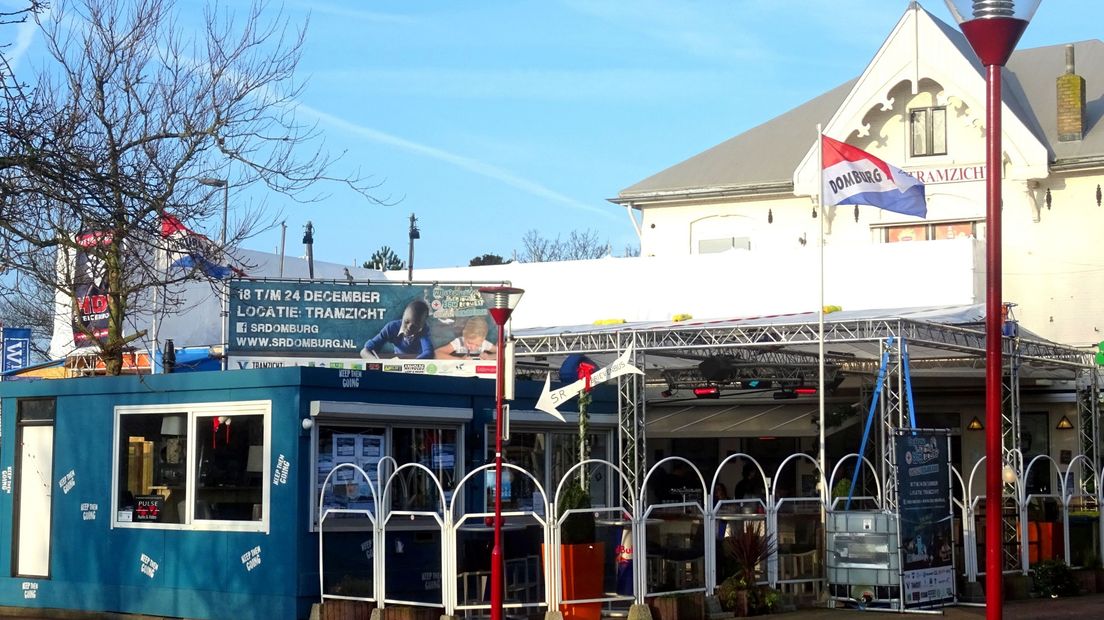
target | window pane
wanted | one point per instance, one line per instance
(713, 246)
(152, 457)
(939, 131)
(565, 453)
(906, 233)
(436, 449)
(36, 410)
(527, 451)
(919, 122)
(357, 445)
(960, 230)
(229, 467)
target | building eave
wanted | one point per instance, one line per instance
(636, 200)
(1078, 164)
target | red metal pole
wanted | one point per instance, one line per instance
(496, 553)
(994, 561)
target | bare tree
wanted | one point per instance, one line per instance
(118, 151)
(26, 302)
(579, 245)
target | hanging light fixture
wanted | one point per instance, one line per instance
(814, 212)
(770, 213)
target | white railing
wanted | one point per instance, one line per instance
(698, 519)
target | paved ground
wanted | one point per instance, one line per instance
(1089, 607)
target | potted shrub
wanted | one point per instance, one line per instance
(1053, 578)
(582, 558)
(747, 551)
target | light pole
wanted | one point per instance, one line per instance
(414, 234)
(993, 27)
(223, 314)
(500, 302)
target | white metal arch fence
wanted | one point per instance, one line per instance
(700, 521)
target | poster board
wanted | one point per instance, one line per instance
(923, 469)
(361, 325)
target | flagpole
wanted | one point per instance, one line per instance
(822, 458)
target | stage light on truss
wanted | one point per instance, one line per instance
(707, 391)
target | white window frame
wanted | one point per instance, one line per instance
(535, 422)
(195, 411)
(929, 111)
(388, 417)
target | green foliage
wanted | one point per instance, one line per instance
(842, 488)
(578, 528)
(488, 259)
(385, 259)
(747, 550)
(760, 599)
(728, 592)
(1054, 578)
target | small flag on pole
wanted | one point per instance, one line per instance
(191, 251)
(851, 176)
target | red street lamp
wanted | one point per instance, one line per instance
(993, 27)
(500, 302)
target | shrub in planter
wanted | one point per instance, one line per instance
(733, 595)
(1053, 578)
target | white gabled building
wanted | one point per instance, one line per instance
(920, 105)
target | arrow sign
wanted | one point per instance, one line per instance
(550, 399)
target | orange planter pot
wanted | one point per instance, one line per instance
(582, 575)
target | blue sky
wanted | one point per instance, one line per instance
(489, 118)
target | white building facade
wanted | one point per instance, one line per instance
(920, 105)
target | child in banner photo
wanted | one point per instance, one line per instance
(408, 336)
(471, 344)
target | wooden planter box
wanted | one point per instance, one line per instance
(678, 607)
(1086, 580)
(347, 610)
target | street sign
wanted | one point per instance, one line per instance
(550, 399)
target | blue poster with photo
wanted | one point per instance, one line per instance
(358, 320)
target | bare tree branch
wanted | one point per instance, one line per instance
(117, 133)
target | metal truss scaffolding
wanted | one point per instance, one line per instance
(855, 347)
(630, 428)
(1010, 450)
(1088, 430)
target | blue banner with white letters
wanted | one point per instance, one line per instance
(17, 348)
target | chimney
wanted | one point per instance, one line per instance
(1071, 102)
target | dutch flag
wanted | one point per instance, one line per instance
(191, 251)
(852, 176)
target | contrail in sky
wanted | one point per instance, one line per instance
(24, 34)
(467, 163)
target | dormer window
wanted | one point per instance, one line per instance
(928, 128)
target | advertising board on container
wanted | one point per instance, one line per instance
(924, 494)
(439, 329)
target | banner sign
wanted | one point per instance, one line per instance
(91, 289)
(17, 348)
(924, 499)
(440, 367)
(425, 329)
